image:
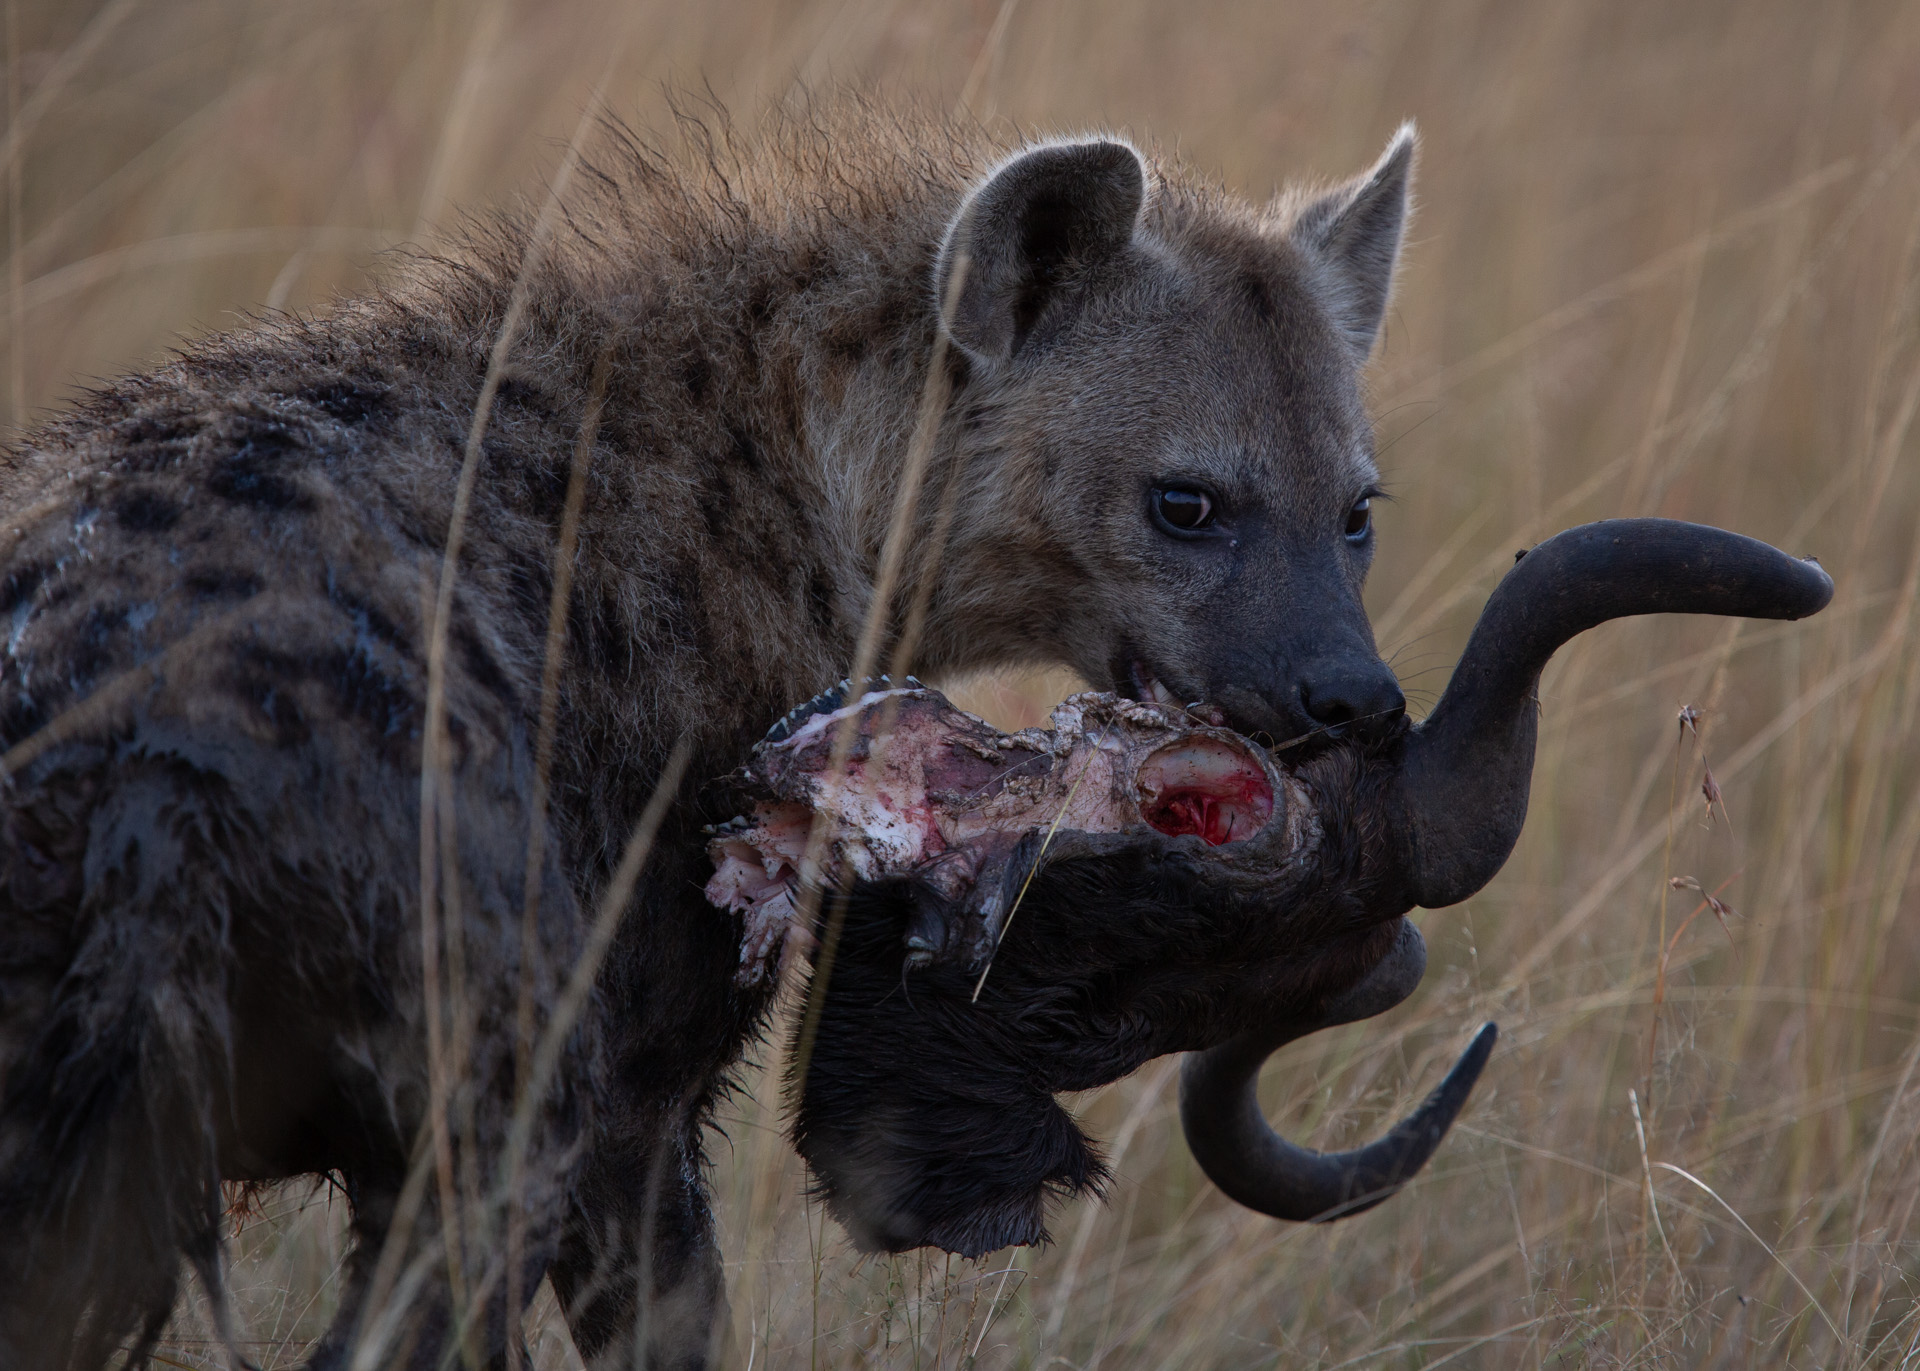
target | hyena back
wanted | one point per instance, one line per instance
(218, 577)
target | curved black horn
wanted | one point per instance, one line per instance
(1241, 1153)
(1470, 764)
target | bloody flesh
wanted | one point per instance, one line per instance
(1201, 787)
(930, 791)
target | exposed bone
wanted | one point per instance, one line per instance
(932, 791)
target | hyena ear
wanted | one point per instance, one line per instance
(1026, 236)
(1355, 233)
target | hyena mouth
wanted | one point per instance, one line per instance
(1135, 680)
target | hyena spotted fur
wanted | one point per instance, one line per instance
(216, 579)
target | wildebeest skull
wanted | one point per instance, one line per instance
(1008, 916)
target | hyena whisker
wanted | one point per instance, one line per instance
(1332, 730)
(1390, 444)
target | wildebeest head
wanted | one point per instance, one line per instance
(1014, 916)
(1169, 465)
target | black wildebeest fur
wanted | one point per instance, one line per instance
(929, 1117)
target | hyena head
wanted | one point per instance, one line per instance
(1163, 407)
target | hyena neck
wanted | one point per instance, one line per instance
(761, 392)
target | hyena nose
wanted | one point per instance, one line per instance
(1353, 699)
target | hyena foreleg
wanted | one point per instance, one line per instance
(638, 1273)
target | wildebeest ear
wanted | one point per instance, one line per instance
(1026, 236)
(1355, 233)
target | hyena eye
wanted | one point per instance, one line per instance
(1359, 519)
(1182, 509)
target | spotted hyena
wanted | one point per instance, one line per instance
(290, 881)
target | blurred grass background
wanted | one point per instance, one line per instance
(1667, 261)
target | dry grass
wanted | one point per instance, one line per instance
(1668, 261)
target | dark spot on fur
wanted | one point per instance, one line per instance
(21, 583)
(849, 345)
(517, 392)
(270, 441)
(745, 451)
(366, 692)
(155, 442)
(546, 486)
(716, 505)
(348, 401)
(696, 376)
(92, 649)
(820, 599)
(242, 481)
(480, 665)
(101, 623)
(359, 687)
(1258, 296)
(22, 717)
(959, 372)
(249, 477)
(265, 680)
(368, 619)
(676, 617)
(421, 344)
(282, 714)
(530, 584)
(35, 877)
(760, 303)
(596, 630)
(222, 583)
(502, 458)
(146, 511)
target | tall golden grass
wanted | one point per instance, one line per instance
(1667, 260)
